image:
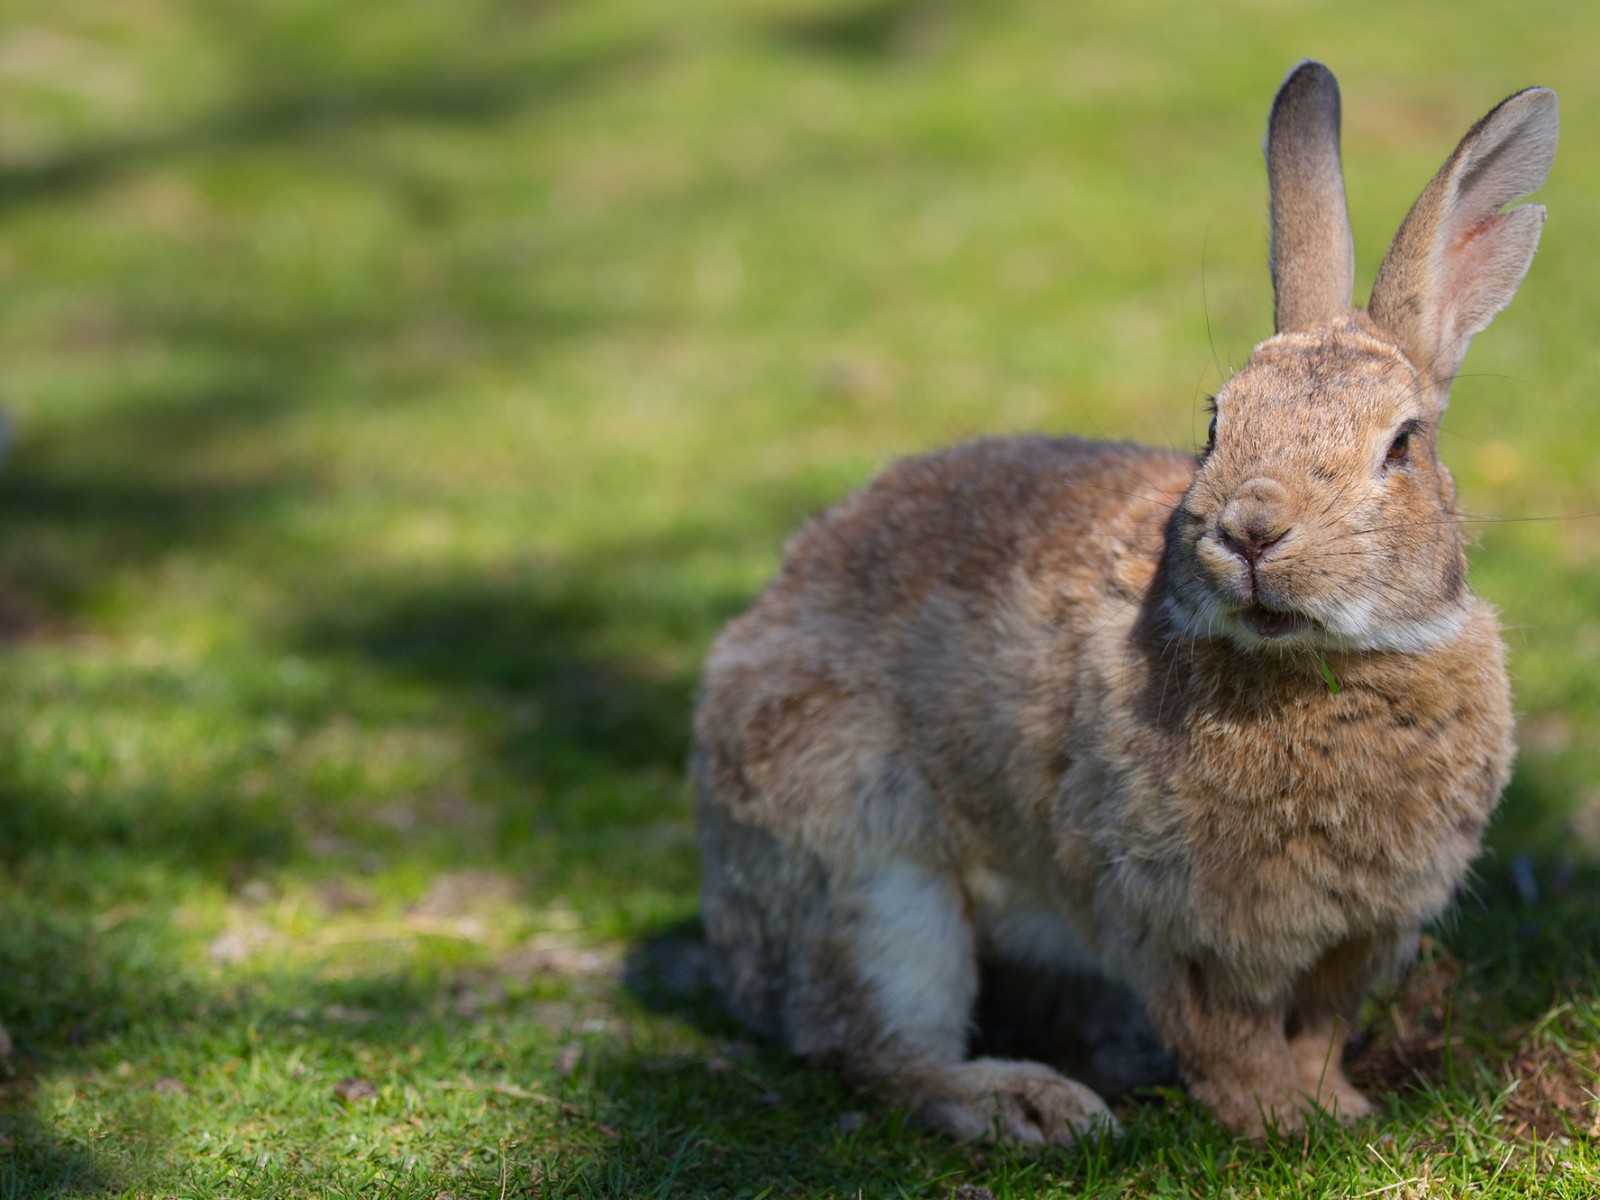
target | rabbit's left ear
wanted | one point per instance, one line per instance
(1458, 259)
(1313, 255)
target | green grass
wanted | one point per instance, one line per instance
(403, 393)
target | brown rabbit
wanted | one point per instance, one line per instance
(1072, 705)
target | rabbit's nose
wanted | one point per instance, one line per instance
(1256, 519)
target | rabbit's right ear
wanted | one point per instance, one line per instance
(1313, 254)
(1458, 259)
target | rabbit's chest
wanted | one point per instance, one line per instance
(1311, 831)
(1264, 840)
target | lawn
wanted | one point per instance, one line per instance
(399, 395)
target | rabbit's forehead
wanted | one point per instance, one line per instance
(1334, 387)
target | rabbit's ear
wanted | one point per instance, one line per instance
(1313, 256)
(1458, 259)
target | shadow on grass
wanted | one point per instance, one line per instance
(66, 984)
(519, 643)
(36, 1165)
(875, 30)
(581, 747)
(58, 830)
(739, 1125)
(78, 534)
(289, 94)
(578, 677)
(71, 539)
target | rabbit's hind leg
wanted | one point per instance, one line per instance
(834, 919)
(884, 989)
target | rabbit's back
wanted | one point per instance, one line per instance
(960, 522)
(928, 613)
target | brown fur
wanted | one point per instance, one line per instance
(1062, 703)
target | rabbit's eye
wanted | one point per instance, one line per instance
(1400, 448)
(1211, 436)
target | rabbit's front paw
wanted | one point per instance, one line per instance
(1317, 1049)
(1254, 1112)
(1338, 1097)
(1012, 1101)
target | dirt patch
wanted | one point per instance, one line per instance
(1553, 1087)
(20, 617)
(342, 894)
(242, 942)
(561, 957)
(354, 1091)
(465, 893)
(1407, 1049)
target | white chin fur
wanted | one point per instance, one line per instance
(1344, 627)
(1351, 628)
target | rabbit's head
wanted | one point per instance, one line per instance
(1320, 514)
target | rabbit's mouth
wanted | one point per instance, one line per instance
(1272, 623)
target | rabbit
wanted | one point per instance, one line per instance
(1224, 729)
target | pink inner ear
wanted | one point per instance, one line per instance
(1477, 282)
(1468, 256)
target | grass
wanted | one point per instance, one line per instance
(400, 396)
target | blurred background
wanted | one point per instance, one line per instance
(399, 396)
